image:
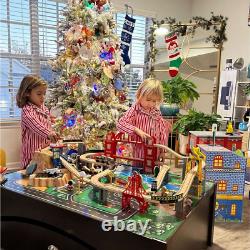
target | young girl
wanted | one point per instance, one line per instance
(35, 117)
(144, 119)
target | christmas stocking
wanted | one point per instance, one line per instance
(126, 36)
(173, 54)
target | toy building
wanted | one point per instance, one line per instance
(227, 169)
(223, 139)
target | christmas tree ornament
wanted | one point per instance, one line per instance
(74, 80)
(67, 87)
(122, 97)
(126, 37)
(118, 84)
(173, 54)
(70, 118)
(88, 4)
(96, 90)
(108, 72)
(106, 7)
(120, 150)
(85, 53)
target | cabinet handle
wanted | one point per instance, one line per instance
(52, 247)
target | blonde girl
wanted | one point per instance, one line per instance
(144, 119)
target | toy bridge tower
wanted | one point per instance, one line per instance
(134, 190)
(150, 151)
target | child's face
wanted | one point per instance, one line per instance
(37, 95)
(149, 101)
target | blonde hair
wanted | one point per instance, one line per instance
(148, 87)
(28, 83)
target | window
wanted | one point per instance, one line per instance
(28, 39)
(235, 187)
(233, 209)
(218, 162)
(237, 165)
(222, 186)
(135, 72)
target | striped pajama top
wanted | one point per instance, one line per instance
(36, 126)
(151, 122)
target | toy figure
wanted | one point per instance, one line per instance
(70, 185)
(230, 129)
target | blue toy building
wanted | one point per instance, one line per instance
(227, 170)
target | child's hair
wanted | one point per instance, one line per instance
(150, 86)
(28, 83)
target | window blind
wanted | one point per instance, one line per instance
(28, 31)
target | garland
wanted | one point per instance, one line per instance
(217, 23)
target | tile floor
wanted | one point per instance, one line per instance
(234, 235)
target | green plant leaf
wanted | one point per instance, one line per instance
(195, 121)
(179, 91)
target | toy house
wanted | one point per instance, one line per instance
(227, 170)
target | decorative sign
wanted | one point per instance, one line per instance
(167, 199)
(226, 93)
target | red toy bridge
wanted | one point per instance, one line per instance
(134, 190)
(150, 151)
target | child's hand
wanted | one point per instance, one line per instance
(144, 136)
(52, 119)
(53, 137)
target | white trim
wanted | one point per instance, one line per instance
(13, 166)
(137, 12)
(10, 124)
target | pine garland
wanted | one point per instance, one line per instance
(217, 23)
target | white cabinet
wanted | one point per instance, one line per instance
(240, 102)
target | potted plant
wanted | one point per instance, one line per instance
(177, 93)
(247, 91)
(193, 121)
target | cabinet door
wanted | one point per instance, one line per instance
(234, 143)
(21, 235)
(220, 141)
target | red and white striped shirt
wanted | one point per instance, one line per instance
(36, 126)
(151, 122)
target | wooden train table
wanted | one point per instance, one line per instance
(57, 218)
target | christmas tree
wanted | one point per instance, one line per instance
(90, 91)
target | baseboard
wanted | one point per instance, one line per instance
(14, 166)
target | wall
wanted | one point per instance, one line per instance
(159, 8)
(204, 88)
(10, 135)
(238, 31)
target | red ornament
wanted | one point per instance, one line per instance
(74, 80)
(122, 97)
